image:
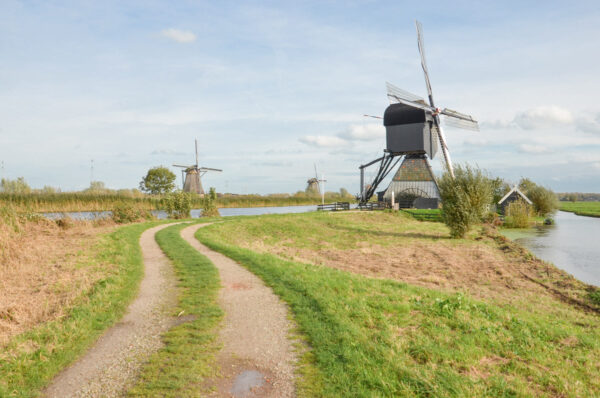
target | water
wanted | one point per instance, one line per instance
(195, 213)
(572, 244)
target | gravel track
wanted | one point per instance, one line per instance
(257, 359)
(110, 367)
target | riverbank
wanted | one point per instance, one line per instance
(588, 209)
(85, 202)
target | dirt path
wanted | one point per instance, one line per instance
(257, 359)
(110, 366)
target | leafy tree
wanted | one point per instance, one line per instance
(544, 200)
(18, 186)
(158, 180)
(465, 198)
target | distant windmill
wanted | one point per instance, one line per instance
(193, 173)
(313, 184)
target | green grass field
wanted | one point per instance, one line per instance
(589, 209)
(380, 337)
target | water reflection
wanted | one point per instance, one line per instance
(572, 244)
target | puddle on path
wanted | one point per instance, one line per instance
(246, 381)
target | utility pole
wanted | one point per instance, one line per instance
(322, 186)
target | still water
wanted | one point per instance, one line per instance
(572, 244)
(195, 213)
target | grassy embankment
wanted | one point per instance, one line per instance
(66, 202)
(187, 360)
(475, 319)
(589, 209)
(30, 359)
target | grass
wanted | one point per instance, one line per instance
(187, 359)
(380, 337)
(425, 214)
(589, 209)
(33, 358)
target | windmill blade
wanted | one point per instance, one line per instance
(445, 151)
(316, 174)
(208, 169)
(394, 92)
(196, 142)
(185, 167)
(423, 60)
(417, 105)
(461, 123)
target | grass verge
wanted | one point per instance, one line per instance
(377, 337)
(588, 209)
(32, 359)
(187, 359)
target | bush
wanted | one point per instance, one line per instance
(465, 198)
(544, 200)
(518, 215)
(209, 204)
(125, 212)
(178, 204)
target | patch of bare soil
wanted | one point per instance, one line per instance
(257, 358)
(496, 270)
(42, 271)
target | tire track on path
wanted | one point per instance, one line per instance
(110, 367)
(257, 358)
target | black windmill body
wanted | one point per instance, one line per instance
(413, 131)
(191, 175)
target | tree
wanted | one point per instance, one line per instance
(544, 200)
(465, 198)
(158, 180)
(18, 186)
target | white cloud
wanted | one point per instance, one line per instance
(180, 36)
(363, 132)
(528, 148)
(323, 141)
(542, 117)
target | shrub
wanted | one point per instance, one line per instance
(178, 204)
(465, 198)
(125, 212)
(518, 214)
(209, 204)
(544, 200)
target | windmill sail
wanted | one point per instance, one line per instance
(396, 93)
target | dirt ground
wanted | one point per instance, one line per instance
(489, 271)
(41, 271)
(255, 333)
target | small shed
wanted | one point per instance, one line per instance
(512, 195)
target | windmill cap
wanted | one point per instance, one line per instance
(396, 114)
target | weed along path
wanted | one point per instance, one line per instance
(257, 358)
(112, 364)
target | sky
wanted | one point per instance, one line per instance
(271, 89)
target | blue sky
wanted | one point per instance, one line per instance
(270, 88)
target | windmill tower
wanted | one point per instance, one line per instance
(193, 174)
(313, 187)
(413, 130)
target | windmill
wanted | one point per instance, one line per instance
(313, 187)
(413, 130)
(193, 173)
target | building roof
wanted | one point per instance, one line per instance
(515, 189)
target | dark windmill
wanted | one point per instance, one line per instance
(413, 130)
(193, 174)
(313, 187)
